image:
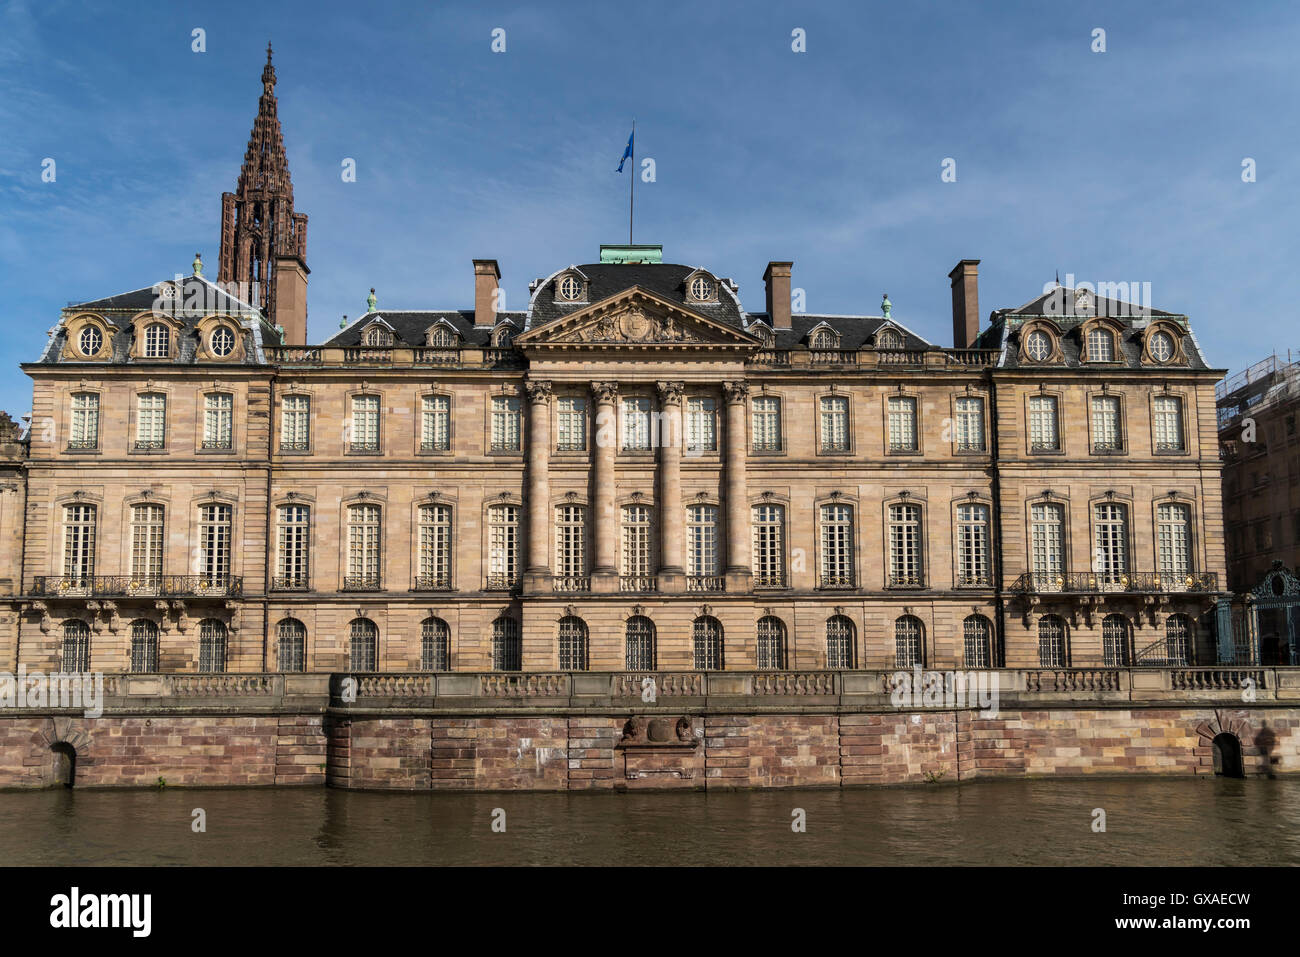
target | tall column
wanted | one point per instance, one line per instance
(604, 573)
(738, 570)
(537, 575)
(671, 578)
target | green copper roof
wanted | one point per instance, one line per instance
(632, 254)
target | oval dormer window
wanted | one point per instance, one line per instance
(1038, 346)
(570, 289)
(223, 342)
(90, 340)
(701, 289)
(1161, 346)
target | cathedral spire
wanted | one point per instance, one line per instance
(263, 240)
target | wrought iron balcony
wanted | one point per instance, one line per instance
(291, 583)
(836, 581)
(137, 586)
(498, 582)
(437, 445)
(835, 445)
(970, 445)
(295, 445)
(906, 445)
(217, 445)
(637, 583)
(437, 582)
(362, 583)
(706, 583)
(1108, 448)
(571, 583)
(983, 580)
(1097, 583)
(1045, 445)
(83, 445)
(359, 446)
(148, 445)
(769, 580)
(905, 581)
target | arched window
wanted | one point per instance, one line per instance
(840, 642)
(573, 644)
(363, 650)
(1115, 641)
(707, 639)
(978, 633)
(212, 646)
(909, 642)
(1179, 633)
(771, 644)
(378, 336)
(144, 646)
(824, 339)
(291, 645)
(157, 341)
(442, 338)
(1101, 345)
(640, 644)
(889, 339)
(507, 650)
(76, 646)
(1053, 642)
(435, 645)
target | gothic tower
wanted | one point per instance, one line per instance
(263, 241)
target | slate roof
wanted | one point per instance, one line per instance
(854, 331)
(667, 280)
(410, 326)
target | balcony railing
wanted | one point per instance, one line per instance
(143, 586)
(906, 445)
(501, 582)
(357, 446)
(288, 445)
(1107, 448)
(705, 583)
(148, 445)
(571, 583)
(904, 581)
(1093, 582)
(637, 583)
(83, 445)
(836, 581)
(438, 582)
(769, 580)
(833, 357)
(974, 581)
(900, 357)
(219, 445)
(291, 583)
(362, 583)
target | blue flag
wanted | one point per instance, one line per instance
(626, 153)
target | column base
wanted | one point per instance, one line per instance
(739, 581)
(604, 581)
(670, 581)
(538, 582)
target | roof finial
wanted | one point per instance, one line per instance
(1058, 277)
(268, 71)
(343, 323)
(197, 265)
(886, 305)
(371, 301)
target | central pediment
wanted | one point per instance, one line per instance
(637, 317)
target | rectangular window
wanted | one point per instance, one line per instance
(702, 541)
(434, 563)
(364, 542)
(1044, 432)
(503, 546)
(150, 420)
(767, 423)
(1047, 546)
(1112, 544)
(79, 545)
(570, 536)
(1107, 436)
(701, 425)
(636, 423)
(1168, 411)
(146, 545)
(836, 546)
(292, 546)
(571, 422)
(295, 423)
(505, 424)
(85, 421)
(636, 570)
(970, 424)
(902, 424)
(214, 543)
(973, 546)
(904, 546)
(218, 420)
(834, 422)
(365, 424)
(435, 423)
(1173, 536)
(769, 546)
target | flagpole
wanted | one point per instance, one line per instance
(631, 196)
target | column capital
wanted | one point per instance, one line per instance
(605, 391)
(670, 393)
(538, 390)
(735, 391)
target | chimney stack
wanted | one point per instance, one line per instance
(486, 276)
(965, 303)
(291, 299)
(777, 278)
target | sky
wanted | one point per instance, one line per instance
(1117, 166)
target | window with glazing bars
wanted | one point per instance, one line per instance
(85, 421)
(503, 545)
(702, 540)
(295, 423)
(434, 564)
(76, 646)
(150, 420)
(701, 424)
(1112, 542)
(834, 423)
(636, 423)
(839, 642)
(363, 645)
(1114, 641)
(291, 645)
(507, 650)
(1178, 640)
(636, 542)
(1051, 642)
(1101, 345)
(908, 646)
(435, 645)
(769, 546)
(766, 423)
(214, 543)
(836, 546)
(978, 634)
(505, 424)
(79, 544)
(1047, 543)
(157, 341)
(293, 546)
(904, 545)
(1044, 433)
(640, 635)
(218, 420)
(706, 639)
(970, 424)
(435, 423)
(1168, 423)
(363, 546)
(1106, 434)
(365, 424)
(570, 536)
(144, 646)
(212, 646)
(771, 644)
(973, 545)
(146, 544)
(1173, 537)
(571, 423)
(573, 644)
(902, 423)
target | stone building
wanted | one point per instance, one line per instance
(635, 472)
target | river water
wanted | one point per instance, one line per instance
(1149, 821)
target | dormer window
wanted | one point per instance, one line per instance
(441, 337)
(571, 289)
(377, 336)
(1101, 345)
(222, 342)
(824, 339)
(701, 289)
(157, 341)
(90, 341)
(503, 335)
(1038, 345)
(1161, 346)
(889, 339)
